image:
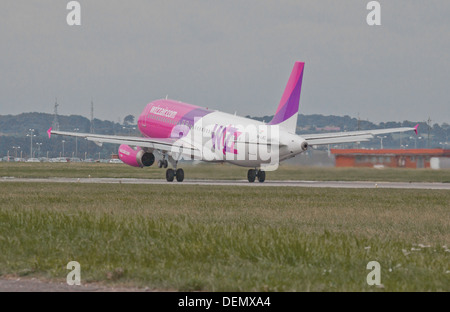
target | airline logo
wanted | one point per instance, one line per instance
(225, 137)
(163, 112)
(125, 152)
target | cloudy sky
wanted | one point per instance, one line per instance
(234, 56)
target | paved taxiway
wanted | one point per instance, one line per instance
(321, 184)
(34, 285)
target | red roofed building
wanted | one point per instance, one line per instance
(395, 158)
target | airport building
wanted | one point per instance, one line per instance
(394, 158)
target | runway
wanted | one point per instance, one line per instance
(241, 183)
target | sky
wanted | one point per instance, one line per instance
(233, 56)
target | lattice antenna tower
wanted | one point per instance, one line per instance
(55, 117)
(92, 116)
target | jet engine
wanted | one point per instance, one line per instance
(304, 145)
(135, 157)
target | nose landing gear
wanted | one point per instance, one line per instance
(163, 163)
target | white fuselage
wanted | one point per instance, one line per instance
(222, 137)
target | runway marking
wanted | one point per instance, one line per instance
(320, 184)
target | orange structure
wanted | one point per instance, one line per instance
(396, 158)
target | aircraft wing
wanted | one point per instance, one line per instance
(166, 145)
(351, 136)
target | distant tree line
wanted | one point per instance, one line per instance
(14, 130)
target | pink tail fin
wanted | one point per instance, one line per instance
(290, 101)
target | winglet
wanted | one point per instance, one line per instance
(49, 132)
(415, 128)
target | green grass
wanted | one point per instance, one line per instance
(183, 237)
(221, 172)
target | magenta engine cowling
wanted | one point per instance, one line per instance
(135, 157)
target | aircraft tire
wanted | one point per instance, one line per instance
(180, 175)
(170, 174)
(251, 175)
(261, 176)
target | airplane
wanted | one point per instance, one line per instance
(178, 130)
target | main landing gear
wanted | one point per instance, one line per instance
(254, 173)
(175, 173)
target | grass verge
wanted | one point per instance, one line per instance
(227, 239)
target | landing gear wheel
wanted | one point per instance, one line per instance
(170, 174)
(261, 176)
(160, 163)
(165, 163)
(251, 175)
(180, 175)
